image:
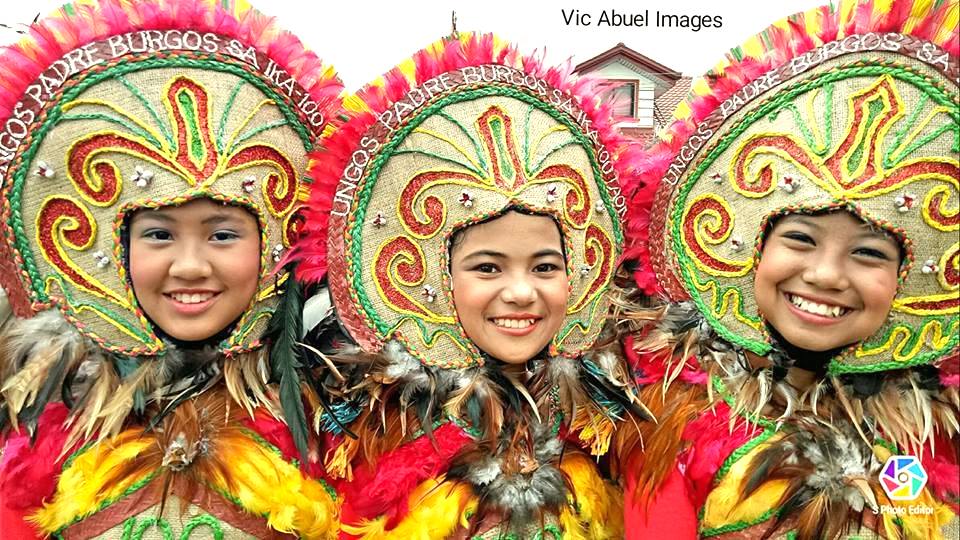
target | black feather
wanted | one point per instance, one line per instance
(284, 330)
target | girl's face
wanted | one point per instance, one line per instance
(826, 281)
(510, 285)
(194, 267)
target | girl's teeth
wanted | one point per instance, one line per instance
(815, 308)
(191, 298)
(513, 323)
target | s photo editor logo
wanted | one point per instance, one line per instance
(903, 478)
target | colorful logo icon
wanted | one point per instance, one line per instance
(903, 478)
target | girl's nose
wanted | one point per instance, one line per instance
(191, 263)
(827, 272)
(519, 291)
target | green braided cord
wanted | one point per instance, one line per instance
(441, 158)
(165, 529)
(935, 92)
(363, 197)
(254, 132)
(200, 521)
(839, 368)
(102, 311)
(55, 112)
(769, 428)
(133, 128)
(476, 144)
(227, 107)
(146, 105)
(740, 525)
(428, 338)
(77, 453)
(241, 334)
(552, 151)
(905, 127)
(888, 159)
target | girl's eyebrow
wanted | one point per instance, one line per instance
(486, 253)
(219, 218)
(549, 252)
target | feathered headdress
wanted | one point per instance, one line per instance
(462, 131)
(853, 108)
(112, 106)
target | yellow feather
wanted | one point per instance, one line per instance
(267, 484)
(599, 503)
(950, 23)
(79, 484)
(594, 429)
(847, 12)
(918, 11)
(437, 509)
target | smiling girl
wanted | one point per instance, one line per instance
(469, 266)
(145, 370)
(788, 378)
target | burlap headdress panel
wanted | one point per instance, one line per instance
(862, 116)
(463, 132)
(148, 104)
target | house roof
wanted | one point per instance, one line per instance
(652, 66)
(666, 103)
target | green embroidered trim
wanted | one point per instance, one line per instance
(873, 110)
(887, 444)
(736, 455)
(951, 323)
(135, 92)
(936, 92)
(740, 525)
(165, 529)
(133, 128)
(228, 106)
(476, 144)
(55, 115)
(77, 453)
(193, 125)
(256, 131)
(440, 158)
(496, 126)
(200, 521)
(365, 191)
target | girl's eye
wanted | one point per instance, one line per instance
(486, 268)
(798, 236)
(159, 235)
(224, 236)
(546, 267)
(872, 253)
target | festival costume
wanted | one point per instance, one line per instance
(849, 110)
(114, 430)
(428, 436)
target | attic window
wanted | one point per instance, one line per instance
(623, 97)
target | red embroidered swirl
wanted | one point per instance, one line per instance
(598, 252)
(63, 220)
(711, 216)
(280, 188)
(577, 202)
(402, 255)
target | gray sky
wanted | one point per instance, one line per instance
(362, 39)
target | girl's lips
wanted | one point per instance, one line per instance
(191, 309)
(516, 332)
(812, 318)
